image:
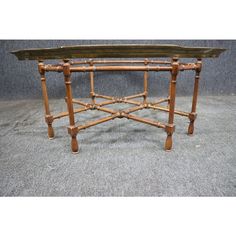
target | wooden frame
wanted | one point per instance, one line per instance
(67, 67)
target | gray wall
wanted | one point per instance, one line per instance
(20, 79)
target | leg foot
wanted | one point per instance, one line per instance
(192, 118)
(168, 144)
(50, 131)
(74, 145)
(191, 128)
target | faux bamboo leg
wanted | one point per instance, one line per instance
(145, 83)
(92, 94)
(170, 126)
(48, 116)
(72, 129)
(193, 114)
(168, 102)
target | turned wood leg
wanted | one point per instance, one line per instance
(169, 90)
(169, 130)
(145, 83)
(72, 130)
(168, 144)
(193, 115)
(48, 116)
(91, 74)
(49, 120)
(170, 126)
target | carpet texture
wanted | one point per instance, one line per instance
(121, 157)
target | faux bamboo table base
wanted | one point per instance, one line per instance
(95, 53)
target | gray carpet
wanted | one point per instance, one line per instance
(120, 158)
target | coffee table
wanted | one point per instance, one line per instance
(119, 57)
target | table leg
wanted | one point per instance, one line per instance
(48, 116)
(169, 90)
(92, 94)
(72, 130)
(193, 114)
(145, 83)
(170, 127)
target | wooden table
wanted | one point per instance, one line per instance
(102, 58)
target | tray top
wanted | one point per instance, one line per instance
(117, 51)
